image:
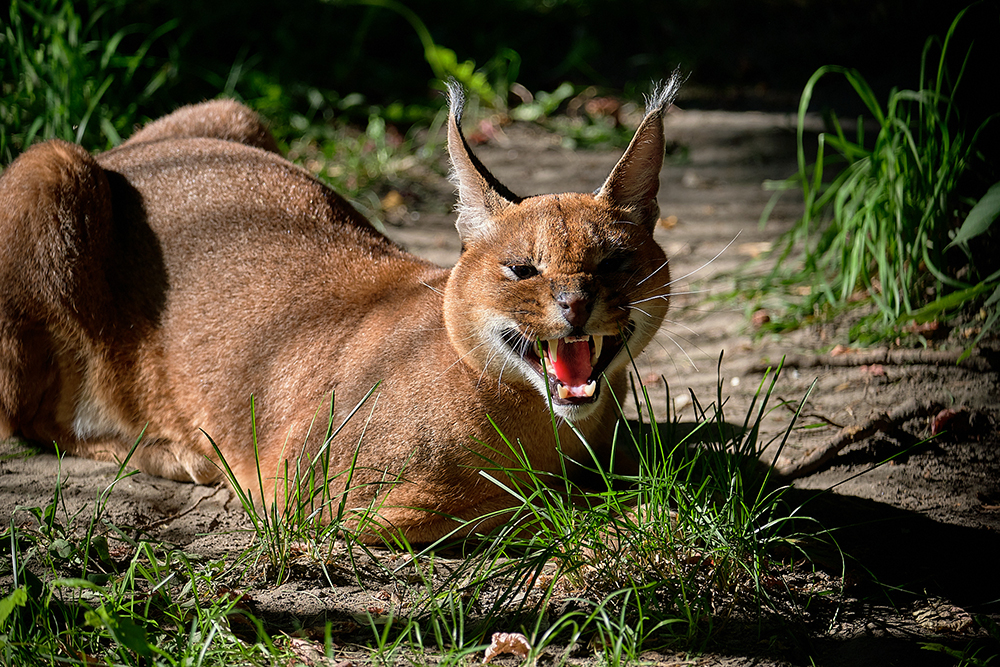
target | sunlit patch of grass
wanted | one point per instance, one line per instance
(106, 597)
(661, 559)
(658, 559)
(365, 164)
(303, 517)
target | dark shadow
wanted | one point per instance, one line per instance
(136, 270)
(894, 558)
(900, 554)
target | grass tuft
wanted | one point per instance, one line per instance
(69, 71)
(660, 559)
(885, 221)
(302, 516)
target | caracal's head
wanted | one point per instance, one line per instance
(556, 291)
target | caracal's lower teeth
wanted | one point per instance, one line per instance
(596, 354)
(588, 390)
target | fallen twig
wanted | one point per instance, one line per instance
(790, 406)
(899, 357)
(824, 453)
(182, 513)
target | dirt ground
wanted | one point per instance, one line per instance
(926, 525)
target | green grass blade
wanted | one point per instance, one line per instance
(980, 218)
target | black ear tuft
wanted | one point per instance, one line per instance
(456, 100)
(665, 92)
(635, 180)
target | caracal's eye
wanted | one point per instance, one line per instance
(521, 271)
(617, 261)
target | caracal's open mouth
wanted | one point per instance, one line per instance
(572, 365)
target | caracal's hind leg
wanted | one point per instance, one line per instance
(55, 218)
(26, 372)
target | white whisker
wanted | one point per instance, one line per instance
(681, 348)
(689, 292)
(433, 289)
(669, 295)
(489, 360)
(719, 254)
(665, 297)
(633, 307)
(506, 336)
(680, 324)
(500, 374)
(459, 360)
(665, 262)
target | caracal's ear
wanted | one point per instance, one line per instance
(635, 180)
(481, 196)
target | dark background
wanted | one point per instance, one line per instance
(740, 54)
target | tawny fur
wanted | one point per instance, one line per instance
(162, 288)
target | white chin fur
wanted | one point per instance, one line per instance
(577, 413)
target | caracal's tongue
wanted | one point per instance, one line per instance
(572, 365)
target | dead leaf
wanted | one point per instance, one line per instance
(760, 318)
(924, 328)
(392, 200)
(942, 419)
(507, 642)
(308, 652)
(604, 106)
(754, 250)
(941, 616)
(668, 222)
